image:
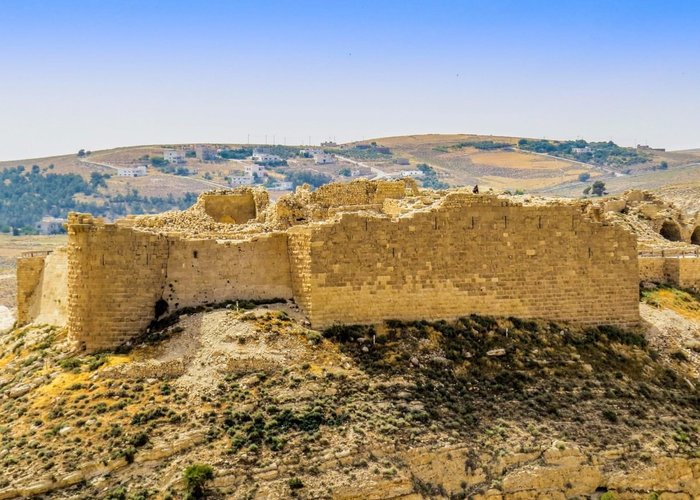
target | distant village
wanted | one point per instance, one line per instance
(277, 168)
(255, 166)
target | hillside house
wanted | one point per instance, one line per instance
(255, 170)
(323, 159)
(578, 151)
(263, 156)
(139, 171)
(205, 153)
(173, 155)
(241, 180)
(51, 225)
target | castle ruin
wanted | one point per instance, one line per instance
(361, 252)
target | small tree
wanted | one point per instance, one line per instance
(663, 165)
(196, 477)
(598, 188)
(81, 153)
(345, 172)
(587, 190)
(584, 177)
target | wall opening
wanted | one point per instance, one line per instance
(695, 237)
(671, 231)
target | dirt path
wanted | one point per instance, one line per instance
(670, 332)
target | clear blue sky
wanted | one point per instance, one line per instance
(101, 73)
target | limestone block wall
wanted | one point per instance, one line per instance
(299, 246)
(210, 271)
(470, 255)
(684, 272)
(653, 269)
(115, 277)
(362, 192)
(52, 290)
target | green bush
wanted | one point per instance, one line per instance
(295, 483)
(196, 477)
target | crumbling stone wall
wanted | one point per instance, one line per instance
(472, 254)
(121, 279)
(42, 292)
(236, 208)
(29, 271)
(387, 255)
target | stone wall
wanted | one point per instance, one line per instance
(472, 254)
(683, 272)
(118, 274)
(431, 257)
(210, 271)
(29, 271)
(42, 292)
(115, 277)
(230, 208)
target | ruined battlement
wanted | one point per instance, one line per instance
(361, 252)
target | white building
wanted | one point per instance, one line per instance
(173, 155)
(323, 159)
(412, 173)
(51, 225)
(585, 149)
(241, 180)
(262, 156)
(311, 151)
(252, 170)
(282, 186)
(139, 171)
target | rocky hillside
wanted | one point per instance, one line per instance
(247, 402)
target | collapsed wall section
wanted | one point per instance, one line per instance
(29, 271)
(116, 276)
(42, 288)
(471, 254)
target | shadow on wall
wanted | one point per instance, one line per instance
(695, 237)
(671, 231)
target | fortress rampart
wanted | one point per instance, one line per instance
(356, 253)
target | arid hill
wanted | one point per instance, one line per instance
(474, 408)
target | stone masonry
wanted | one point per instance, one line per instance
(361, 252)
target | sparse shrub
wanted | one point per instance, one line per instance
(70, 364)
(610, 415)
(196, 477)
(295, 483)
(313, 337)
(139, 439)
(679, 356)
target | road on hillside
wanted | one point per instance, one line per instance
(379, 174)
(193, 179)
